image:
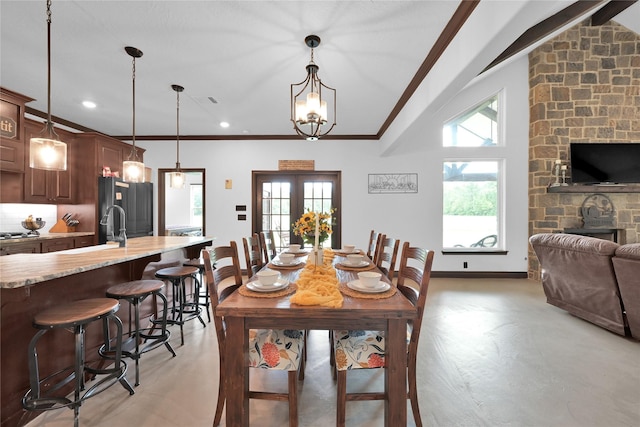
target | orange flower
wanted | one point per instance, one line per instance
(270, 354)
(375, 361)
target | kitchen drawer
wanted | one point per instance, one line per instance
(81, 242)
(53, 245)
(20, 248)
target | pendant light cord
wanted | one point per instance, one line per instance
(48, 61)
(178, 130)
(134, 152)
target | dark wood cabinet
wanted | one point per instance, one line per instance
(42, 186)
(43, 245)
(12, 138)
(84, 241)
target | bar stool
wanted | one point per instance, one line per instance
(74, 315)
(184, 310)
(200, 289)
(136, 292)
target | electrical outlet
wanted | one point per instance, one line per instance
(465, 265)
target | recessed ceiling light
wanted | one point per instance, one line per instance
(89, 104)
(224, 124)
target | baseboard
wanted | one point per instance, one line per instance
(480, 274)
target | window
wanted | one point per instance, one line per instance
(471, 204)
(478, 127)
(471, 185)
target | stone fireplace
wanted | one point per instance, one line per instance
(584, 86)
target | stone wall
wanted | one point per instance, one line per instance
(584, 86)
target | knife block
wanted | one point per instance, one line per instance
(62, 227)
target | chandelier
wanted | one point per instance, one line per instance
(309, 100)
(47, 151)
(133, 168)
(177, 178)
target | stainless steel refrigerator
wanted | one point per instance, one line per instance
(136, 199)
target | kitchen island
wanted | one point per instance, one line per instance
(30, 283)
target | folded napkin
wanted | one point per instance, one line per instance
(318, 284)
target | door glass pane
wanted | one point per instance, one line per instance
(471, 204)
(317, 197)
(276, 211)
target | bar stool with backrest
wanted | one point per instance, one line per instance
(229, 275)
(252, 254)
(181, 309)
(354, 351)
(135, 293)
(387, 252)
(74, 316)
(200, 291)
(268, 245)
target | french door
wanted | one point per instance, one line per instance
(281, 197)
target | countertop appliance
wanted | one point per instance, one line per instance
(137, 201)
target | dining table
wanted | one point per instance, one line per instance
(357, 312)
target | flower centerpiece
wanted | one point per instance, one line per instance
(305, 227)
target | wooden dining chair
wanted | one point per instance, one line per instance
(354, 349)
(252, 254)
(387, 253)
(269, 341)
(268, 245)
(373, 243)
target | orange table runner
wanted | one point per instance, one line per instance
(318, 284)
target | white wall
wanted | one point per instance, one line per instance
(409, 217)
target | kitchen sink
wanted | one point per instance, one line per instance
(89, 249)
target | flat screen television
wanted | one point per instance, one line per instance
(605, 163)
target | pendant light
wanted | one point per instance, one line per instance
(177, 179)
(309, 110)
(47, 151)
(133, 168)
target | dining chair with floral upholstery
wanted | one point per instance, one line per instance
(366, 349)
(279, 349)
(268, 245)
(252, 254)
(387, 251)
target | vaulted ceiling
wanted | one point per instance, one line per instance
(237, 59)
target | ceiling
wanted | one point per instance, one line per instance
(245, 54)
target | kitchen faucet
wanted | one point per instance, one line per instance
(122, 237)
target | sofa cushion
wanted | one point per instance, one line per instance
(578, 276)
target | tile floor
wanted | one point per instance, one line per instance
(493, 353)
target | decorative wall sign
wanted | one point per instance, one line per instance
(296, 165)
(597, 211)
(393, 183)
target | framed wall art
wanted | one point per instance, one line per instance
(393, 183)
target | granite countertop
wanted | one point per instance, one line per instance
(20, 270)
(47, 236)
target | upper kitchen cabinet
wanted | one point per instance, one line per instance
(99, 153)
(42, 186)
(12, 140)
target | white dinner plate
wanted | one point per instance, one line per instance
(300, 252)
(257, 287)
(357, 286)
(363, 263)
(293, 263)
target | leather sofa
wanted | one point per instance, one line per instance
(627, 267)
(584, 276)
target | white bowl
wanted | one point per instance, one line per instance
(294, 248)
(354, 259)
(267, 277)
(369, 279)
(349, 248)
(286, 258)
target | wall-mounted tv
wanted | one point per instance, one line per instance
(600, 163)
